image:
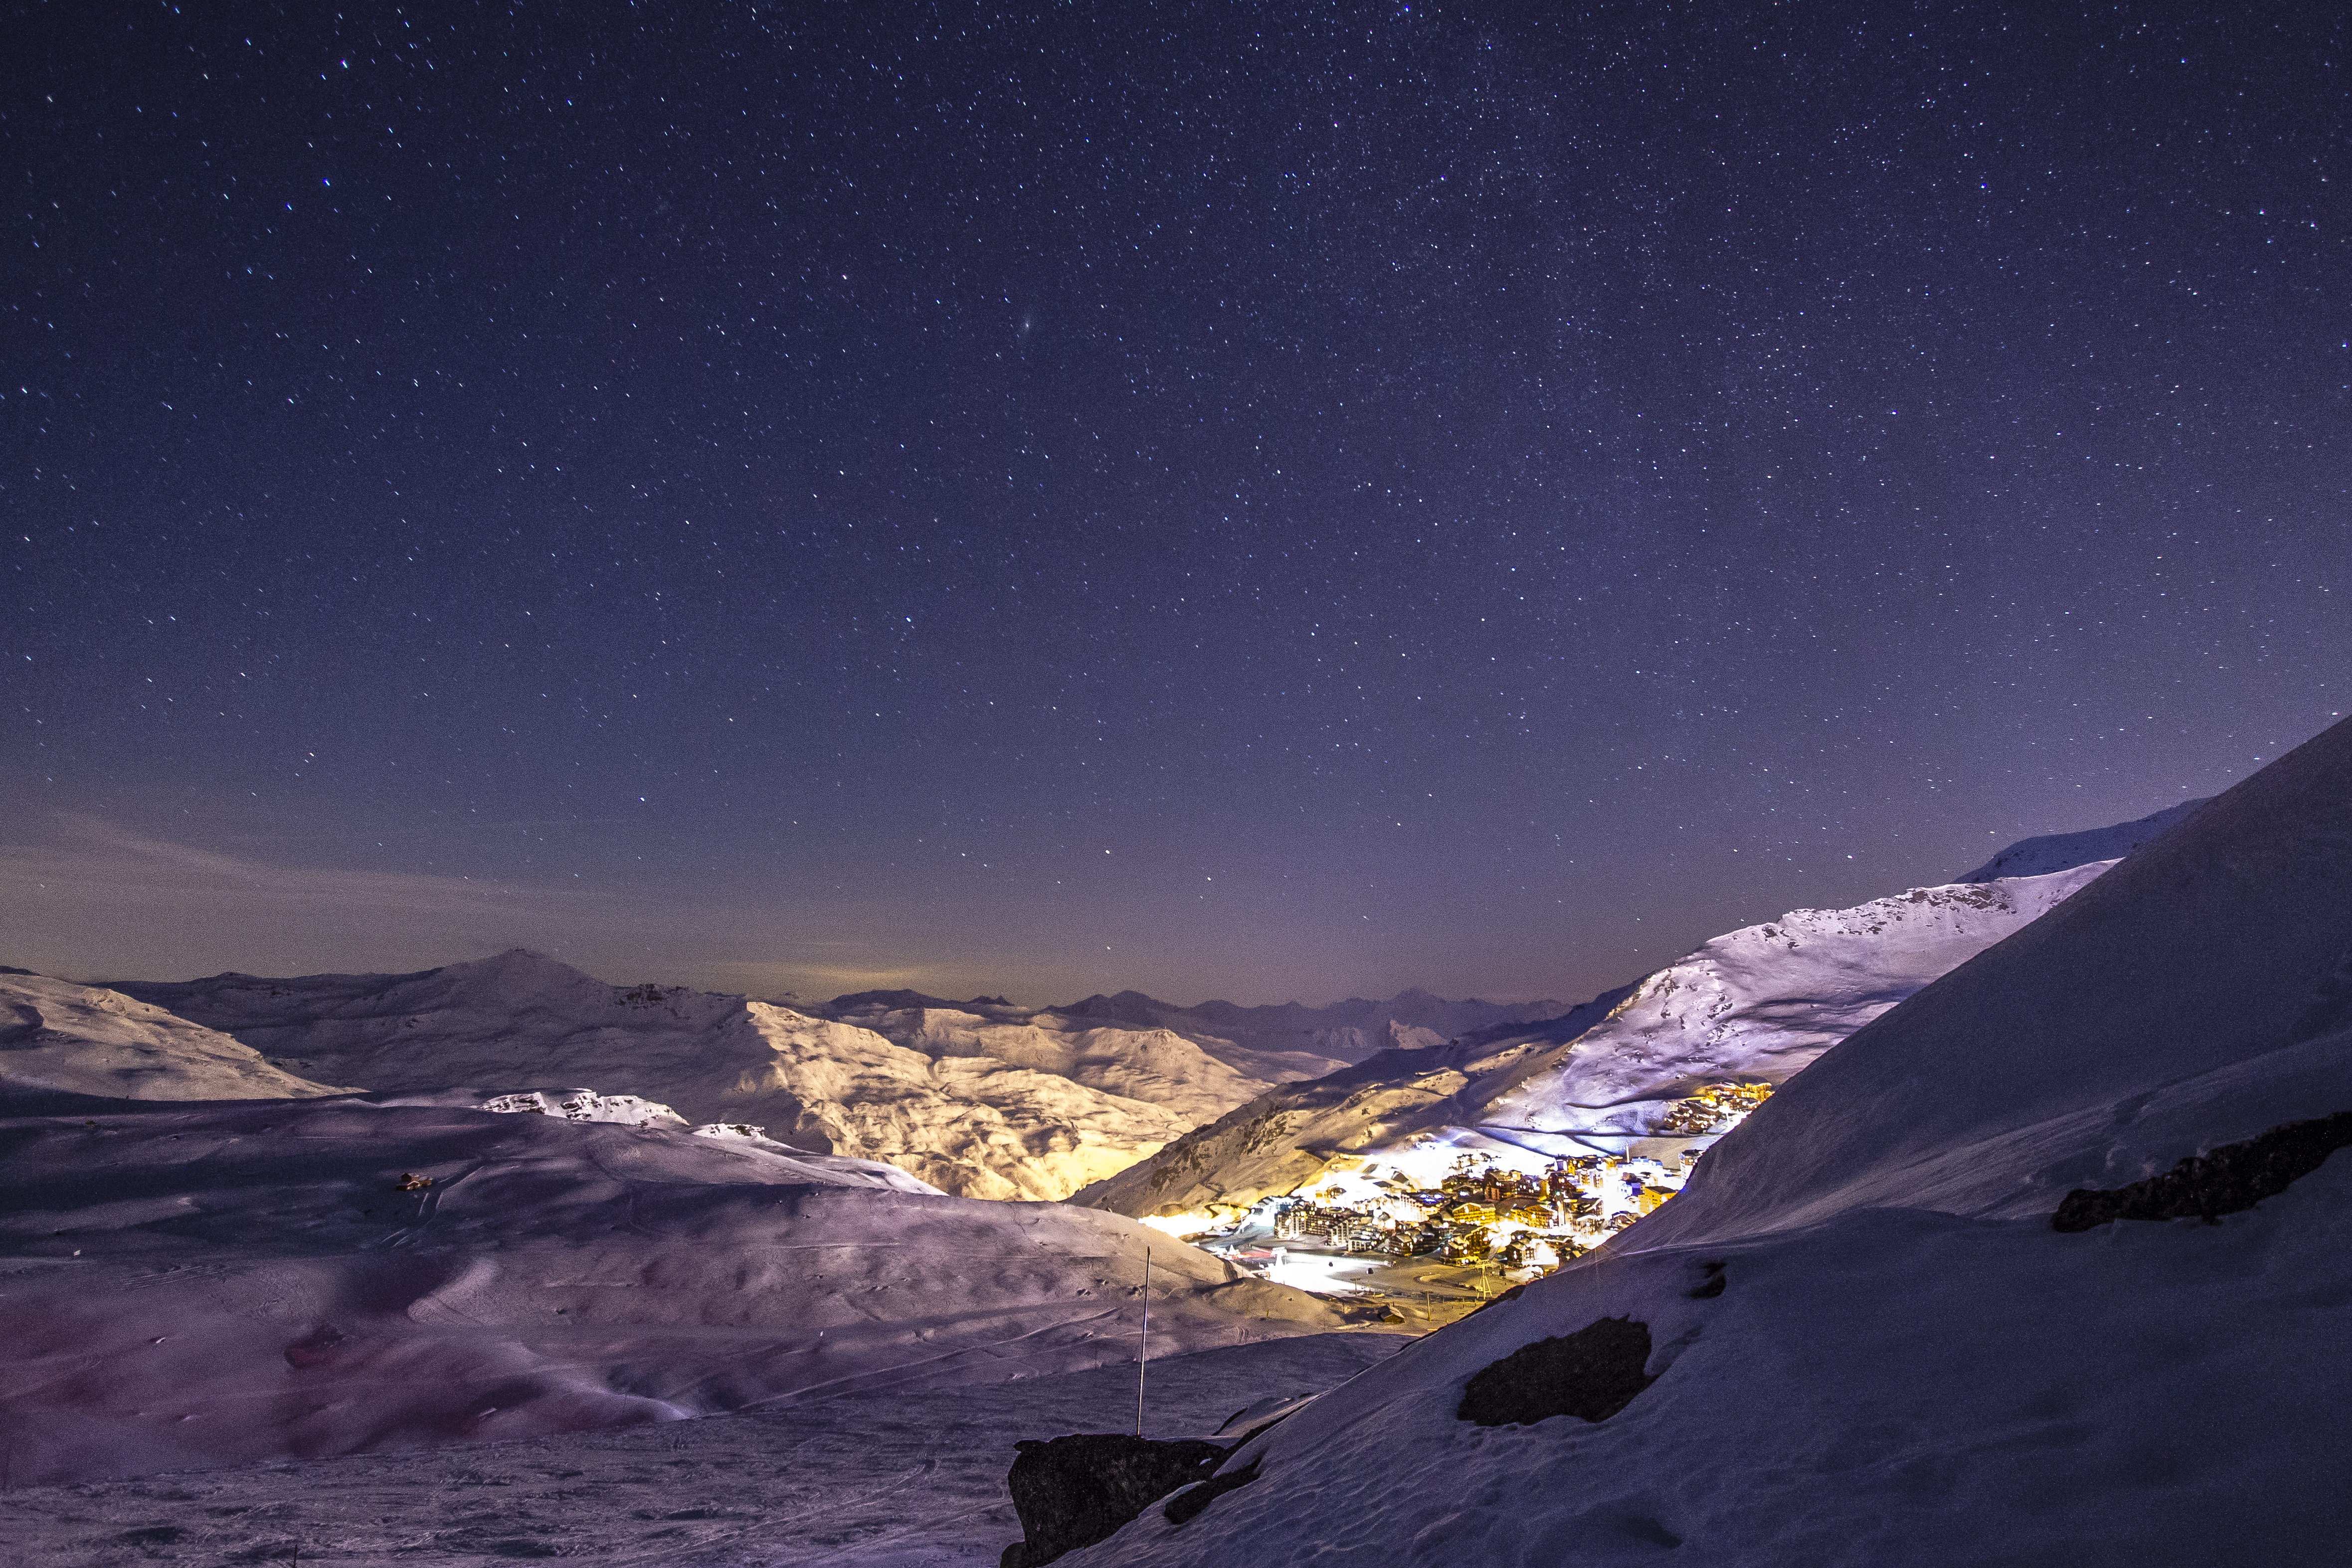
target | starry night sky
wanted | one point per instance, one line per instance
(1259, 501)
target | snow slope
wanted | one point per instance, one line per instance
(911, 1479)
(192, 1285)
(55, 1034)
(2057, 851)
(1871, 1346)
(1757, 1004)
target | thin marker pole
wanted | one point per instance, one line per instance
(1143, 1343)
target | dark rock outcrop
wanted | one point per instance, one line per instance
(1592, 1375)
(2206, 1187)
(1074, 1491)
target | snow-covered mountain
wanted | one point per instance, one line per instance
(1861, 1336)
(1754, 1005)
(965, 1120)
(1142, 1062)
(183, 1286)
(981, 1098)
(2057, 851)
(87, 1040)
(1292, 1039)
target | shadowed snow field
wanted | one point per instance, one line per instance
(185, 1285)
(895, 1480)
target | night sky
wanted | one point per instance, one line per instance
(1253, 501)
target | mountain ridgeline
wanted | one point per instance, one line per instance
(1131, 1103)
(2048, 1263)
(980, 1097)
(1755, 1004)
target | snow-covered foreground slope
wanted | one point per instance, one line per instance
(86, 1040)
(1755, 1005)
(912, 1479)
(192, 1285)
(1870, 1345)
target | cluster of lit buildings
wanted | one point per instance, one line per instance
(1501, 1207)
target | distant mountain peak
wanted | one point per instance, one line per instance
(1126, 1006)
(516, 967)
(513, 958)
(894, 1001)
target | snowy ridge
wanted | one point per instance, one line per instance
(629, 1110)
(2057, 851)
(962, 1120)
(1755, 1005)
(87, 1040)
(981, 1099)
(1760, 1003)
(1869, 1344)
(1154, 1065)
(1293, 1040)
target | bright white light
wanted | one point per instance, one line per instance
(1313, 1271)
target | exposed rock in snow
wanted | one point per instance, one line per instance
(183, 1286)
(585, 1105)
(2229, 1179)
(2064, 852)
(87, 1040)
(1590, 1375)
(1757, 1004)
(1870, 1345)
(1074, 1490)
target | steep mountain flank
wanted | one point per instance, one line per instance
(55, 1034)
(1876, 1327)
(1755, 1005)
